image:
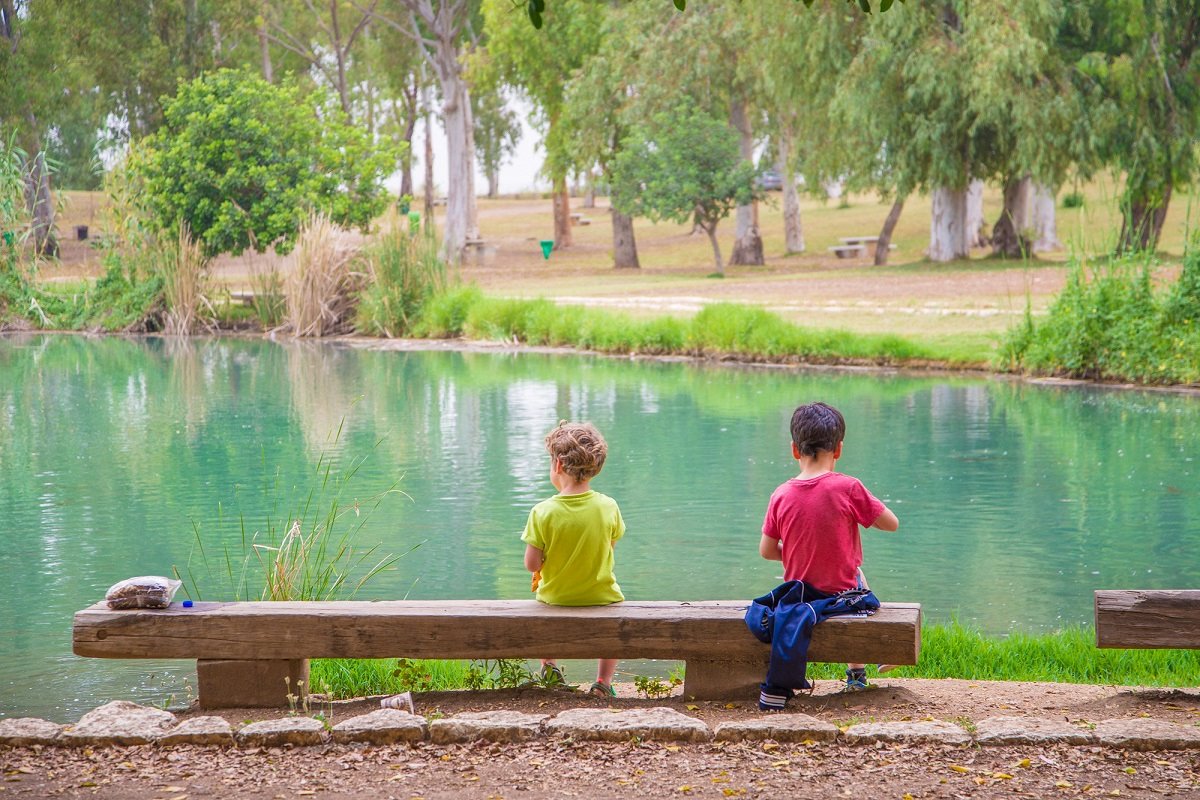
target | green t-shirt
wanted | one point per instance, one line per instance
(575, 533)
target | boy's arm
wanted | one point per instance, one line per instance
(886, 521)
(769, 548)
(533, 558)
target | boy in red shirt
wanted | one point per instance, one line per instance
(812, 520)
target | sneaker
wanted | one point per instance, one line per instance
(552, 675)
(856, 680)
(773, 698)
(403, 702)
(882, 668)
(601, 689)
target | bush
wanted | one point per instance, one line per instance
(242, 162)
(404, 271)
(1072, 200)
(1109, 324)
(321, 290)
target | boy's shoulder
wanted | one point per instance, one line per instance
(829, 481)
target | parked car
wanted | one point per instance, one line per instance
(770, 180)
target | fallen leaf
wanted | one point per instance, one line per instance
(731, 705)
(693, 708)
(672, 748)
(1002, 776)
(1162, 763)
(684, 788)
(768, 746)
(728, 792)
(1063, 784)
(783, 762)
(979, 781)
(1129, 771)
(126, 765)
(1024, 763)
(959, 768)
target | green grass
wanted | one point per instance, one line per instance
(718, 330)
(947, 651)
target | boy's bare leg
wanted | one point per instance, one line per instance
(605, 669)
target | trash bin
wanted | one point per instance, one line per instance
(547, 246)
(81, 232)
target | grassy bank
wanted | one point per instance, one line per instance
(947, 651)
(718, 330)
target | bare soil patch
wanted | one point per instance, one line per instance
(565, 768)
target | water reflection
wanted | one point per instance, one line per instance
(1016, 501)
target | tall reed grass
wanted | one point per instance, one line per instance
(322, 288)
(305, 547)
(404, 271)
(184, 270)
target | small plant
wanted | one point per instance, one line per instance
(654, 688)
(1072, 200)
(404, 272)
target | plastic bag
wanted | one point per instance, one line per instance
(148, 591)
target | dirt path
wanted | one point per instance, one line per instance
(564, 768)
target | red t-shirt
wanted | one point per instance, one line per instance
(817, 520)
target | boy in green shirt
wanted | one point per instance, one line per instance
(569, 539)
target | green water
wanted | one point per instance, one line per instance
(1015, 501)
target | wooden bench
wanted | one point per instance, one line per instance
(1148, 619)
(245, 650)
(853, 240)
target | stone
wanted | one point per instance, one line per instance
(296, 731)
(663, 724)
(1030, 730)
(385, 726)
(200, 730)
(1147, 734)
(28, 731)
(119, 723)
(934, 732)
(779, 727)
(494, 726)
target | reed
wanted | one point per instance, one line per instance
(322, 287)
(184, 270)
(404, 271)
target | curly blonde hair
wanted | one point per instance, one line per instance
(579, 448)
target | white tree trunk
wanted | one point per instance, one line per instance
(1044, 223)
(975, 220)
(462, 218)
(747, 244)
(948, 225)
(793, 231)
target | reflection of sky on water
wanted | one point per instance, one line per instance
(1016, 501)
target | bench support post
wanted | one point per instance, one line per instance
(713, 679)
(262, 683)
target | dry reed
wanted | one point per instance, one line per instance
(321, 289)
(184, 269)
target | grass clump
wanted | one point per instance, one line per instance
(718, 330)
(404, 272)
(1111, 324)
(321, 290)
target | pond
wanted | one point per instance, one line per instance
(119, 456)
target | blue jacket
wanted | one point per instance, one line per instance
(784, 619)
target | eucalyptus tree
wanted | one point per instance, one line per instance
(539, 65)
(443, 33)
(497, 132)
(600, 108)
(1144, 58)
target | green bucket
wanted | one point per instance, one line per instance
(414, 221)
(547, 246)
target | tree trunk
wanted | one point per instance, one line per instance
(793, 231)
(624, 245)
(339, 53)
(589, 192)
(39, 201)
(747, 243)
(948, 225)
(716, 246)
(264, 47)
(461, 215)
(1045, 225)
(1009, 238)
(975, 220)
(1144, 217)
(493, 181)
(884, 245)
(562, 213)
(428, 159)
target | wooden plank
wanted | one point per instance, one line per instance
(1148, 618)
(475, 629)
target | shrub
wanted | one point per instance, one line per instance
(1072, 200)
(322, 288)
(445, 314)
(242, 162)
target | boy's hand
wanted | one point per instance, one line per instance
(537, 578)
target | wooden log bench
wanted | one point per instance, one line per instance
(244, 651)
(1148, 619)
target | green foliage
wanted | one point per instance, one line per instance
(345, 678)
(243, 162)
(405, 271)
(654, 688)
(684, 166)
(1072, 200)
(1110, 324)
(720, 329)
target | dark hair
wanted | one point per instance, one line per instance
(817, 427)
(579, 447)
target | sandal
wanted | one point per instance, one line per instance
(601, 689)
